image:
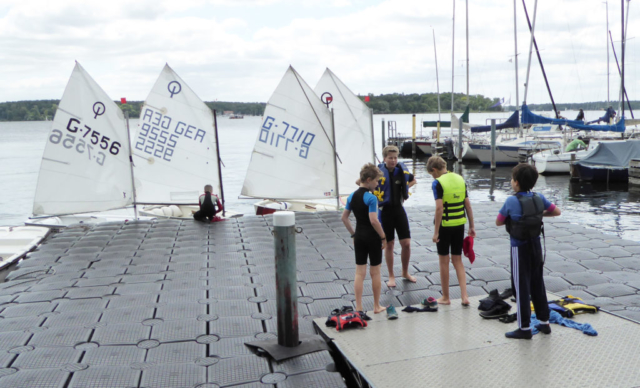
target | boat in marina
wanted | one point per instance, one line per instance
(17, 241)
(303, 152)
(176, 150)
(608, 161)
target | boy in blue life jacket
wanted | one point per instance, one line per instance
(452, 210)
(368, 239)
(522, 214)
(392, 191)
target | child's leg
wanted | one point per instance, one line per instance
(376, 285)
(388, 256)
(521, 274)
(358, 285)
(444, 279)
(462, 277)
(538, 290)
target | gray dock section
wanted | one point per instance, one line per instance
(171, 303)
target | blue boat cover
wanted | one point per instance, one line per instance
(614, 155)
(512, 122)
(531, 118)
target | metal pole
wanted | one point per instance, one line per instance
(467, 40)
(413, 135)
(526, 84)
(615, 56)
(515, 42)
(493, 144)
(133, 183)
(607, 5)
(215, 126)
(622, 58)
(453, 46)
(460, 141)
(335, 160)
(284, 234)
(383, 141)
(437, 80)
(373, 145)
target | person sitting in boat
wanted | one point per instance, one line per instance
(208, 208)
(576, 144)
(580, 116)
(558, 115)
(608, 117)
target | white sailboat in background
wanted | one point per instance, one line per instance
(176, 151)
(293, 159)
(85, 167)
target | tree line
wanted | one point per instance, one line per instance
(395, 103)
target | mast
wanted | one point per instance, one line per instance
(531, 29)
(133, 183)
(453, 46)
(215, 126)
(622, 55)
(437, 81)
(533, 39)
(615, 56)
(467, 40)
(373, 143)
(335, 159)
(607, 5)
(515, 41)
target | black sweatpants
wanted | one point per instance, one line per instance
(527, 282)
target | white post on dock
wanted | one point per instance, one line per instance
(493, 144)
(284, 234)
(413, 135)
(383, 141)
(133, 183)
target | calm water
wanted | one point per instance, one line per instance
(611, 209)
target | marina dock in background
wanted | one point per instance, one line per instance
(170, 303)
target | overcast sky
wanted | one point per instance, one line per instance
(238, 50)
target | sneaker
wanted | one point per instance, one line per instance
(430, 302)
(545, 329)
(391, 313)
(519, 334)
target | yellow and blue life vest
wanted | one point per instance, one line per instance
(383, 190)
(454, 190)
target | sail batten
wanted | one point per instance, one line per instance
(85, 165)
(175, 147)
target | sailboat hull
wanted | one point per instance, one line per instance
(181, 212)
(269, 206)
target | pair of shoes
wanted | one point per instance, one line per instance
(545, 329)
(519, 334)
(499, 309)
(509, 318)
(430, 302)
(391, 313)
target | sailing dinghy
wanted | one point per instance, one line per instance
(176, 151)
(85, 167)
(293, 160)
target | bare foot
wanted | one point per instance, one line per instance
(410, 278)
(379, 309)
(465, 302)
(391, 282)
(442, 300)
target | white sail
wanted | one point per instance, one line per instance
(85, 166)
(293, 157)
(352, 120)
(175, 152)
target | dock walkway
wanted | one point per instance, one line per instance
(171, 303)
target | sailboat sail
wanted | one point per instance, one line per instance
(352, 120)
(293, 157)
(175, 148)
(85, 166)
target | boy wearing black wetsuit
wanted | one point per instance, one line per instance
(208, 208)
(368, 238)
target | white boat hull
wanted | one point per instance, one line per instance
(547, 162)
(181, 212)
(269, 206)
(468, 155)
(17, 241)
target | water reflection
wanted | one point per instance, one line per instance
(610, 208)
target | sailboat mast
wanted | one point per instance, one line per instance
(467, 41)
(335, 159)
(453, 53)
(622, 55)
(215, 127)
(607, 5)
(515, 54)
(133, 183)
(373, 143)
(533, 27)
(615, 56)
(435, 52)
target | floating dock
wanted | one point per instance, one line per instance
(171, 304)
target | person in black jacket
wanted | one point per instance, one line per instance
(208, 208)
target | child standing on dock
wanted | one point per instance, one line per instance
(452, 209)
(208, 208)
(522, 214)
(392, 191)
(368, 239)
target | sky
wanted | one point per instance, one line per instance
(238, 50)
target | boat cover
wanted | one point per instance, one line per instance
(614, 155)
(531, 118)
(512, 122)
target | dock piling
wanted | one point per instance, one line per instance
(413, 136)
(286, 279)
(493, 144)
(384, 143)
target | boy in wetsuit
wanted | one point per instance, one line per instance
(392, 191)
(368, 239)
(452, 210)
(522, 213)
(208, 209)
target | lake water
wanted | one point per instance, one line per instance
(612, 209)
